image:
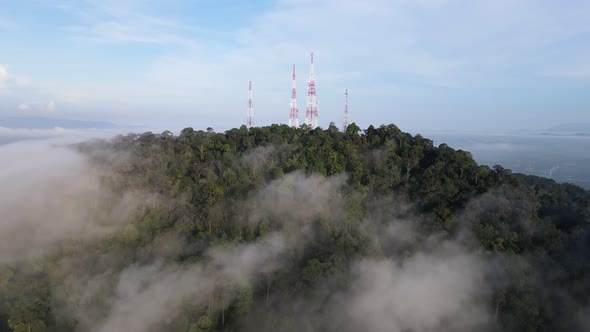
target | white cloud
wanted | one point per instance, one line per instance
(455, 47)
(124, 23)
(23, 107)
(3, 77)
(127, 32)
(9, 81)
(50, 106)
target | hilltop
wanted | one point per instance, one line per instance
(279, 228)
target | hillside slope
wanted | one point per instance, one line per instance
(283, 229)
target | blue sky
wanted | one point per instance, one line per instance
(421, 64)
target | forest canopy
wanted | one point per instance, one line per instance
(288, 229)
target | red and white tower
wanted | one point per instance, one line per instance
(294, 112)
(311, 111)
(345, 122)
(250, 121)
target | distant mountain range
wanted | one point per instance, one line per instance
(50, 123)
(570, 128)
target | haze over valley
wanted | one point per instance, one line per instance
(562, 157)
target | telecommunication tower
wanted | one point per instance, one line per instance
(250, 121)
(294, 112)
(311, 111)
(345, 122)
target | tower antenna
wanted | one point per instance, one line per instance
(311, 111)
(345, 123)
(294, 112)
(250, 121)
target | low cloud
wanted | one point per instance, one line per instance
(418, 282)
(407, 280)
(50, 194)
(300, 198)
(414, 282)
(427, 292)
(148, 295)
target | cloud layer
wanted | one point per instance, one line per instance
(51, 194)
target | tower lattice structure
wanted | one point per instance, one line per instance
(250, 120)
(311, 111)
(345, 122)
(293, 112)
